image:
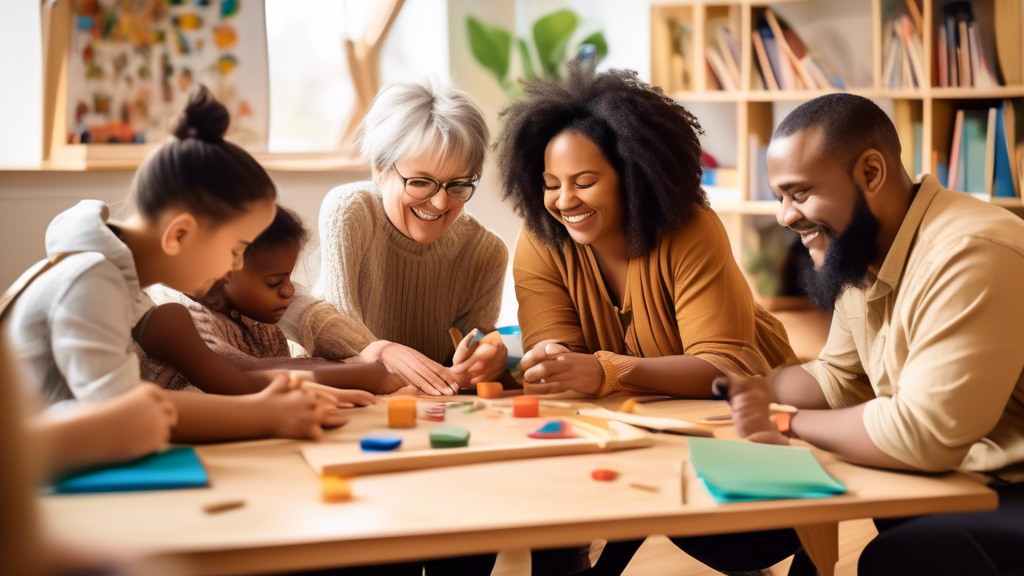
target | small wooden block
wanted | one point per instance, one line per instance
(335, 488)
(449, 437)
(223, 506)
(489, 390)
(402, 413)
(525, 406)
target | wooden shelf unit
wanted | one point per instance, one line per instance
(934, 107)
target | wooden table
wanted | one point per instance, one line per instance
(540, 503)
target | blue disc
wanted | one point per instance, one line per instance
(383, 443)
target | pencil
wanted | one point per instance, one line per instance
(682, 481)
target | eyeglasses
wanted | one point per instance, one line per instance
(424, 187)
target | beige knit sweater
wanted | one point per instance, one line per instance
(389, 287)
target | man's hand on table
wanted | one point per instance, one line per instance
(750, 398)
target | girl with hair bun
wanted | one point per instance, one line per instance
(196, 203)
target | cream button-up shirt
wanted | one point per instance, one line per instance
(935, 343)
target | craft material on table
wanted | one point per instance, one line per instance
(335, 488)
(670, 425)
(402, 412)
(738, 471)
(604, 475)
(553, 429)
(449, 437)
(171, 469)
(435, 413)
(380, 443)
(644, 487)
(223, 506)
(489, 390)
(525, 406)
(493, 440)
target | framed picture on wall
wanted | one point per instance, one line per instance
(117, 72)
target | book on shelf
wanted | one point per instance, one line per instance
(954, 152)
(729, 49)
(681, 64)
(763, 64)
(903, 50)
(759, 188)
(784, 60)
(721, 72)
(722, 53)
(963, 53)
(972, 151)
(985, 156)
(783, 79)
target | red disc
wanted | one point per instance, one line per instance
(604, 475)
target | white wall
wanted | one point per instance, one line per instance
(21, 65)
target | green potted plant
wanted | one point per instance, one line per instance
(492, 48)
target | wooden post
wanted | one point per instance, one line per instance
(363, 58)
(821, 542)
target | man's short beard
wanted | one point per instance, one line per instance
(846, 260)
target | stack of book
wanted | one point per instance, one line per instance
(783, 61)
(723, 54)
(904, 49)
(681, 62)
(961, 54)
(984, 156)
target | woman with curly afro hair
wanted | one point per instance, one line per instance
(625, 277)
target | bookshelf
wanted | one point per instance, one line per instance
(934, 107)
(743, 211)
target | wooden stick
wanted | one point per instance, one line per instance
(223, 506)
(646, 487)
(682, 481)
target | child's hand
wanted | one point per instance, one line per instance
(343, 398)
(485, 362)
(292, 411)
(138, 421)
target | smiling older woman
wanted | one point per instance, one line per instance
(399, 256)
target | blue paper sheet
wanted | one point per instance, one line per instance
(171, 469)
(738, 471)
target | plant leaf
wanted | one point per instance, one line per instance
(550, 35)
(524, 54)
(491, 46)
(599, 43)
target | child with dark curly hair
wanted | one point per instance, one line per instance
(625, 277)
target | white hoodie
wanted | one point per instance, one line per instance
(72, 327)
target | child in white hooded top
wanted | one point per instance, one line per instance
(198, 201)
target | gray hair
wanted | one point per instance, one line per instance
(407, 119)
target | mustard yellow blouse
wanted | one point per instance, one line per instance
(686, 296)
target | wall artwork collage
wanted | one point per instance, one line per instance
(133, 63)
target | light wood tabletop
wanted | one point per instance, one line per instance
(536, 503)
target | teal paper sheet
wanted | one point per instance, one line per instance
(740, 471)
(171, 469)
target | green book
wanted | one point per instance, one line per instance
(739, 471)
(973, 146)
